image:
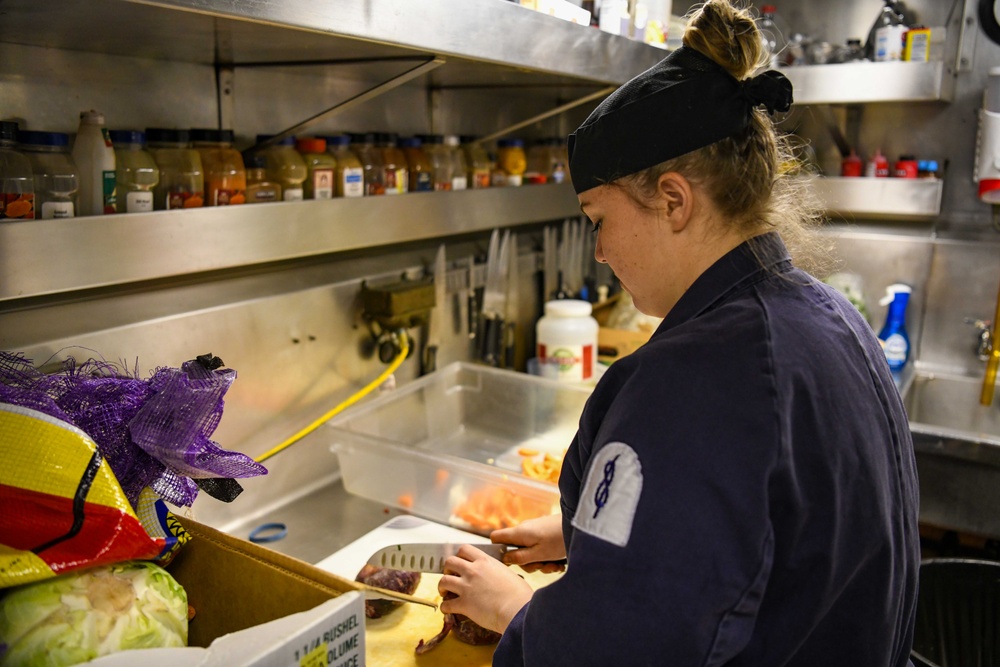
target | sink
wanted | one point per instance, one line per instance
(946, 417)
(957, 446)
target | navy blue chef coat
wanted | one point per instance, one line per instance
(777, 519)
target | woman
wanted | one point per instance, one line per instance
(742, 489)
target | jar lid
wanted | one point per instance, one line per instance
(123, 137)
(167, 135)
(32, 138)
(568, 308)
(410, 142)
(431, 138)
(8, 130)
(212, 136)
(511, 143)
(92, 117)
(338, 140)
(310, 145)
(287, 141)
(254, 161)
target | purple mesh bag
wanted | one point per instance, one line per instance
(152, 432)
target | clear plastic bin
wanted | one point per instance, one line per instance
(445, 446)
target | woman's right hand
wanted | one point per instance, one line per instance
(541, 541)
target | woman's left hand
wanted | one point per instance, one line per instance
(488, 592)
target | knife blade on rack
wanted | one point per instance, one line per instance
(437, 312)
(495, 297)
(510, 314)
(427, 556)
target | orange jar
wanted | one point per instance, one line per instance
(225, 174)
(512, 160)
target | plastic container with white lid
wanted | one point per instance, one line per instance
(567, 340)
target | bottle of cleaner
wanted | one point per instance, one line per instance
(893, 335)
(95, 159)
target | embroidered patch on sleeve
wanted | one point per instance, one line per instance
(610, 494)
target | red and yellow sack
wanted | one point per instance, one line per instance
(61, 507)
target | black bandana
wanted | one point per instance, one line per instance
(685, 102)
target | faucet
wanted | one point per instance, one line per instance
(993, 361)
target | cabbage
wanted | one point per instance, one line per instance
(77, 617)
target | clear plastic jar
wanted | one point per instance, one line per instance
(54, 171)
(225, 174)
(440, 161)
(321, 166)
(372, 163)
(477, 162)
(285, 166)
(512, 160)
(136, 171)
(567, 340)
(395, 172)
(417, 164)
(17, 185)
(260, 188)
(182, 181)
(350, 176)
(459, 169)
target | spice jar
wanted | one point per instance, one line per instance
(511, 160)
(567, 340)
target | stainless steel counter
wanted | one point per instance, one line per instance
(321, 523)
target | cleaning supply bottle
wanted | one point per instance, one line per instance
(896, 342)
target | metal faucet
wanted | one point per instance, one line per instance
(993, 361)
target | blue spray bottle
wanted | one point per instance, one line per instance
(893, 334)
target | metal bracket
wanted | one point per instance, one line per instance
(352, 102)
(604, 92)
(967, 33)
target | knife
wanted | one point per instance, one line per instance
(495, 297)
(510, 333)
(437, 312)
(427, 557)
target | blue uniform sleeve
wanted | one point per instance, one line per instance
(666, 501)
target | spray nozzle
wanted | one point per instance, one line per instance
(891, 291)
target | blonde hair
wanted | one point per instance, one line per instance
(750, 176)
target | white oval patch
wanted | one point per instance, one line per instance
(611, 494)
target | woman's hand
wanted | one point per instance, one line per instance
(488, 592)
(541, 541)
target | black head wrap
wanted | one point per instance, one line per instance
(685, 102)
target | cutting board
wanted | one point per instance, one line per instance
(390, 640)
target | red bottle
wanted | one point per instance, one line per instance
(878, 166)
(906, 167)
(851, 165)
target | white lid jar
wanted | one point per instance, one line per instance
(567, 340)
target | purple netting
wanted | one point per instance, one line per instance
(152, 432)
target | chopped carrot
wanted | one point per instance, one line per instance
(527, 451)
(441, 476)
(405, 500)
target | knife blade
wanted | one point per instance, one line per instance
(437, 312)
(427, 556)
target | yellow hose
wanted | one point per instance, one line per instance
(404, 349)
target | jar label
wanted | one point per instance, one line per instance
(17, 206)
(139, 201)
(57, 209)
(354, 182)
(323, 184)
(184, 199)
(422, 182)
(292, 194)
(109, 184)
(227, 197)
(458, 183)
(573, 363)
(896, 351)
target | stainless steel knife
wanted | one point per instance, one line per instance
(427, 557)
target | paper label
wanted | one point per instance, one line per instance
(109, 183)
(323, 184)
(573, 363)
(139, 201)
(57, 209)
(354, 182)
(17, 206)
(292, 194)
(184, 199)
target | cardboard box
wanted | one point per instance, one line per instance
(234, 585)
(616, 343)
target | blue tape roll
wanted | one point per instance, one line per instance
(268, 532)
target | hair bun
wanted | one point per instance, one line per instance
(771, 89)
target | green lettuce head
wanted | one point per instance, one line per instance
(77, 617)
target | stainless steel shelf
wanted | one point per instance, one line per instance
(486, 41)
(51, 256)
(866, 82)
(881, 198)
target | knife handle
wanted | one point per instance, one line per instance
(509, 345)
(492, 336)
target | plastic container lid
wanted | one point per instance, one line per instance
(568, 308)
(410, 142)
(92, 117)
(167, 135)
(310, 145)
(254, 161)
(127, 137)
(511, 143)
(451, 140)
(212, 136)
(32, 138)
(431, 138)
(8, 130)
(287, 141)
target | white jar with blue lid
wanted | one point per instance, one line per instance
(567, 340)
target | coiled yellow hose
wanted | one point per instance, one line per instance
(404, 349)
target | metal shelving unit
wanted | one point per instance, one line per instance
(881, 198)
(868, 82)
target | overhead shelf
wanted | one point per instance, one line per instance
(43, 257)
(867, 82)
(485, 41)
(881, 198)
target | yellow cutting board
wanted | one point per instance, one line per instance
(390, 641)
